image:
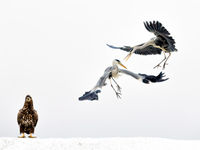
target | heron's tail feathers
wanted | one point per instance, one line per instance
(152, 78)
(90, 95)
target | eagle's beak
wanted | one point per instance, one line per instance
(123, 65)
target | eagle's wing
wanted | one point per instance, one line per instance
(93, 94)
(19, 117)
(35, 118)
(163, 36)
(143, 77)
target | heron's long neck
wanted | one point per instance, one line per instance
(115, 70)
(115, 66)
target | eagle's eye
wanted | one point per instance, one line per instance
(28, 99)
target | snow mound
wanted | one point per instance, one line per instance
(98, 144)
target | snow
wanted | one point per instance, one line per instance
(98, 144)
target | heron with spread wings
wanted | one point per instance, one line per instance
(113, 72)
(163, 42)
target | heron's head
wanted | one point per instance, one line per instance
(118, 62)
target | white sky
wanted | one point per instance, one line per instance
(55, 51)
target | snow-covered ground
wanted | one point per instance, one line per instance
(98, 144)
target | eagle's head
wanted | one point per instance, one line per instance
(28, 98)
(28, 101)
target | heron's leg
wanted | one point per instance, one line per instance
(117, 93)
(31, 136)
(158, 65)
(22, 136)
(118, 87)
(165, 63)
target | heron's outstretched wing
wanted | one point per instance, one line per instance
(148, 50)
(102, 80)
(145, 78)
(156, 27)
(90, 95)
(152, 78)
(93, 94)
(132, 74)
(124, 48)
(163, 36)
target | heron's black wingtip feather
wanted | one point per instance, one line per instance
(154, 79)
(90, 96)
(124, 48)
(159, 78)
(111, 46)
(156, 26)
(159, 30)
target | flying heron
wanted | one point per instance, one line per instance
(163, 42)
(113, 72)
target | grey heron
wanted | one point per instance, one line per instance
(113, 72)
(163, 42)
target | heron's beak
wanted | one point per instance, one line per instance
(123, 65)
(128, 56)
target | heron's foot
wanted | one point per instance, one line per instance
(31, 136)
(118, 95)
(157, 66)
(119, 88)
(22, 136)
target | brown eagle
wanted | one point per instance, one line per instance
(27, 118)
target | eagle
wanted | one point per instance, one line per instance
(162, 42)
(27, 118)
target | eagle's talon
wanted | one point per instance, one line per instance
(31, 136)
(22, 136)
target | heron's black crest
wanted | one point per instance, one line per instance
(90, 96)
